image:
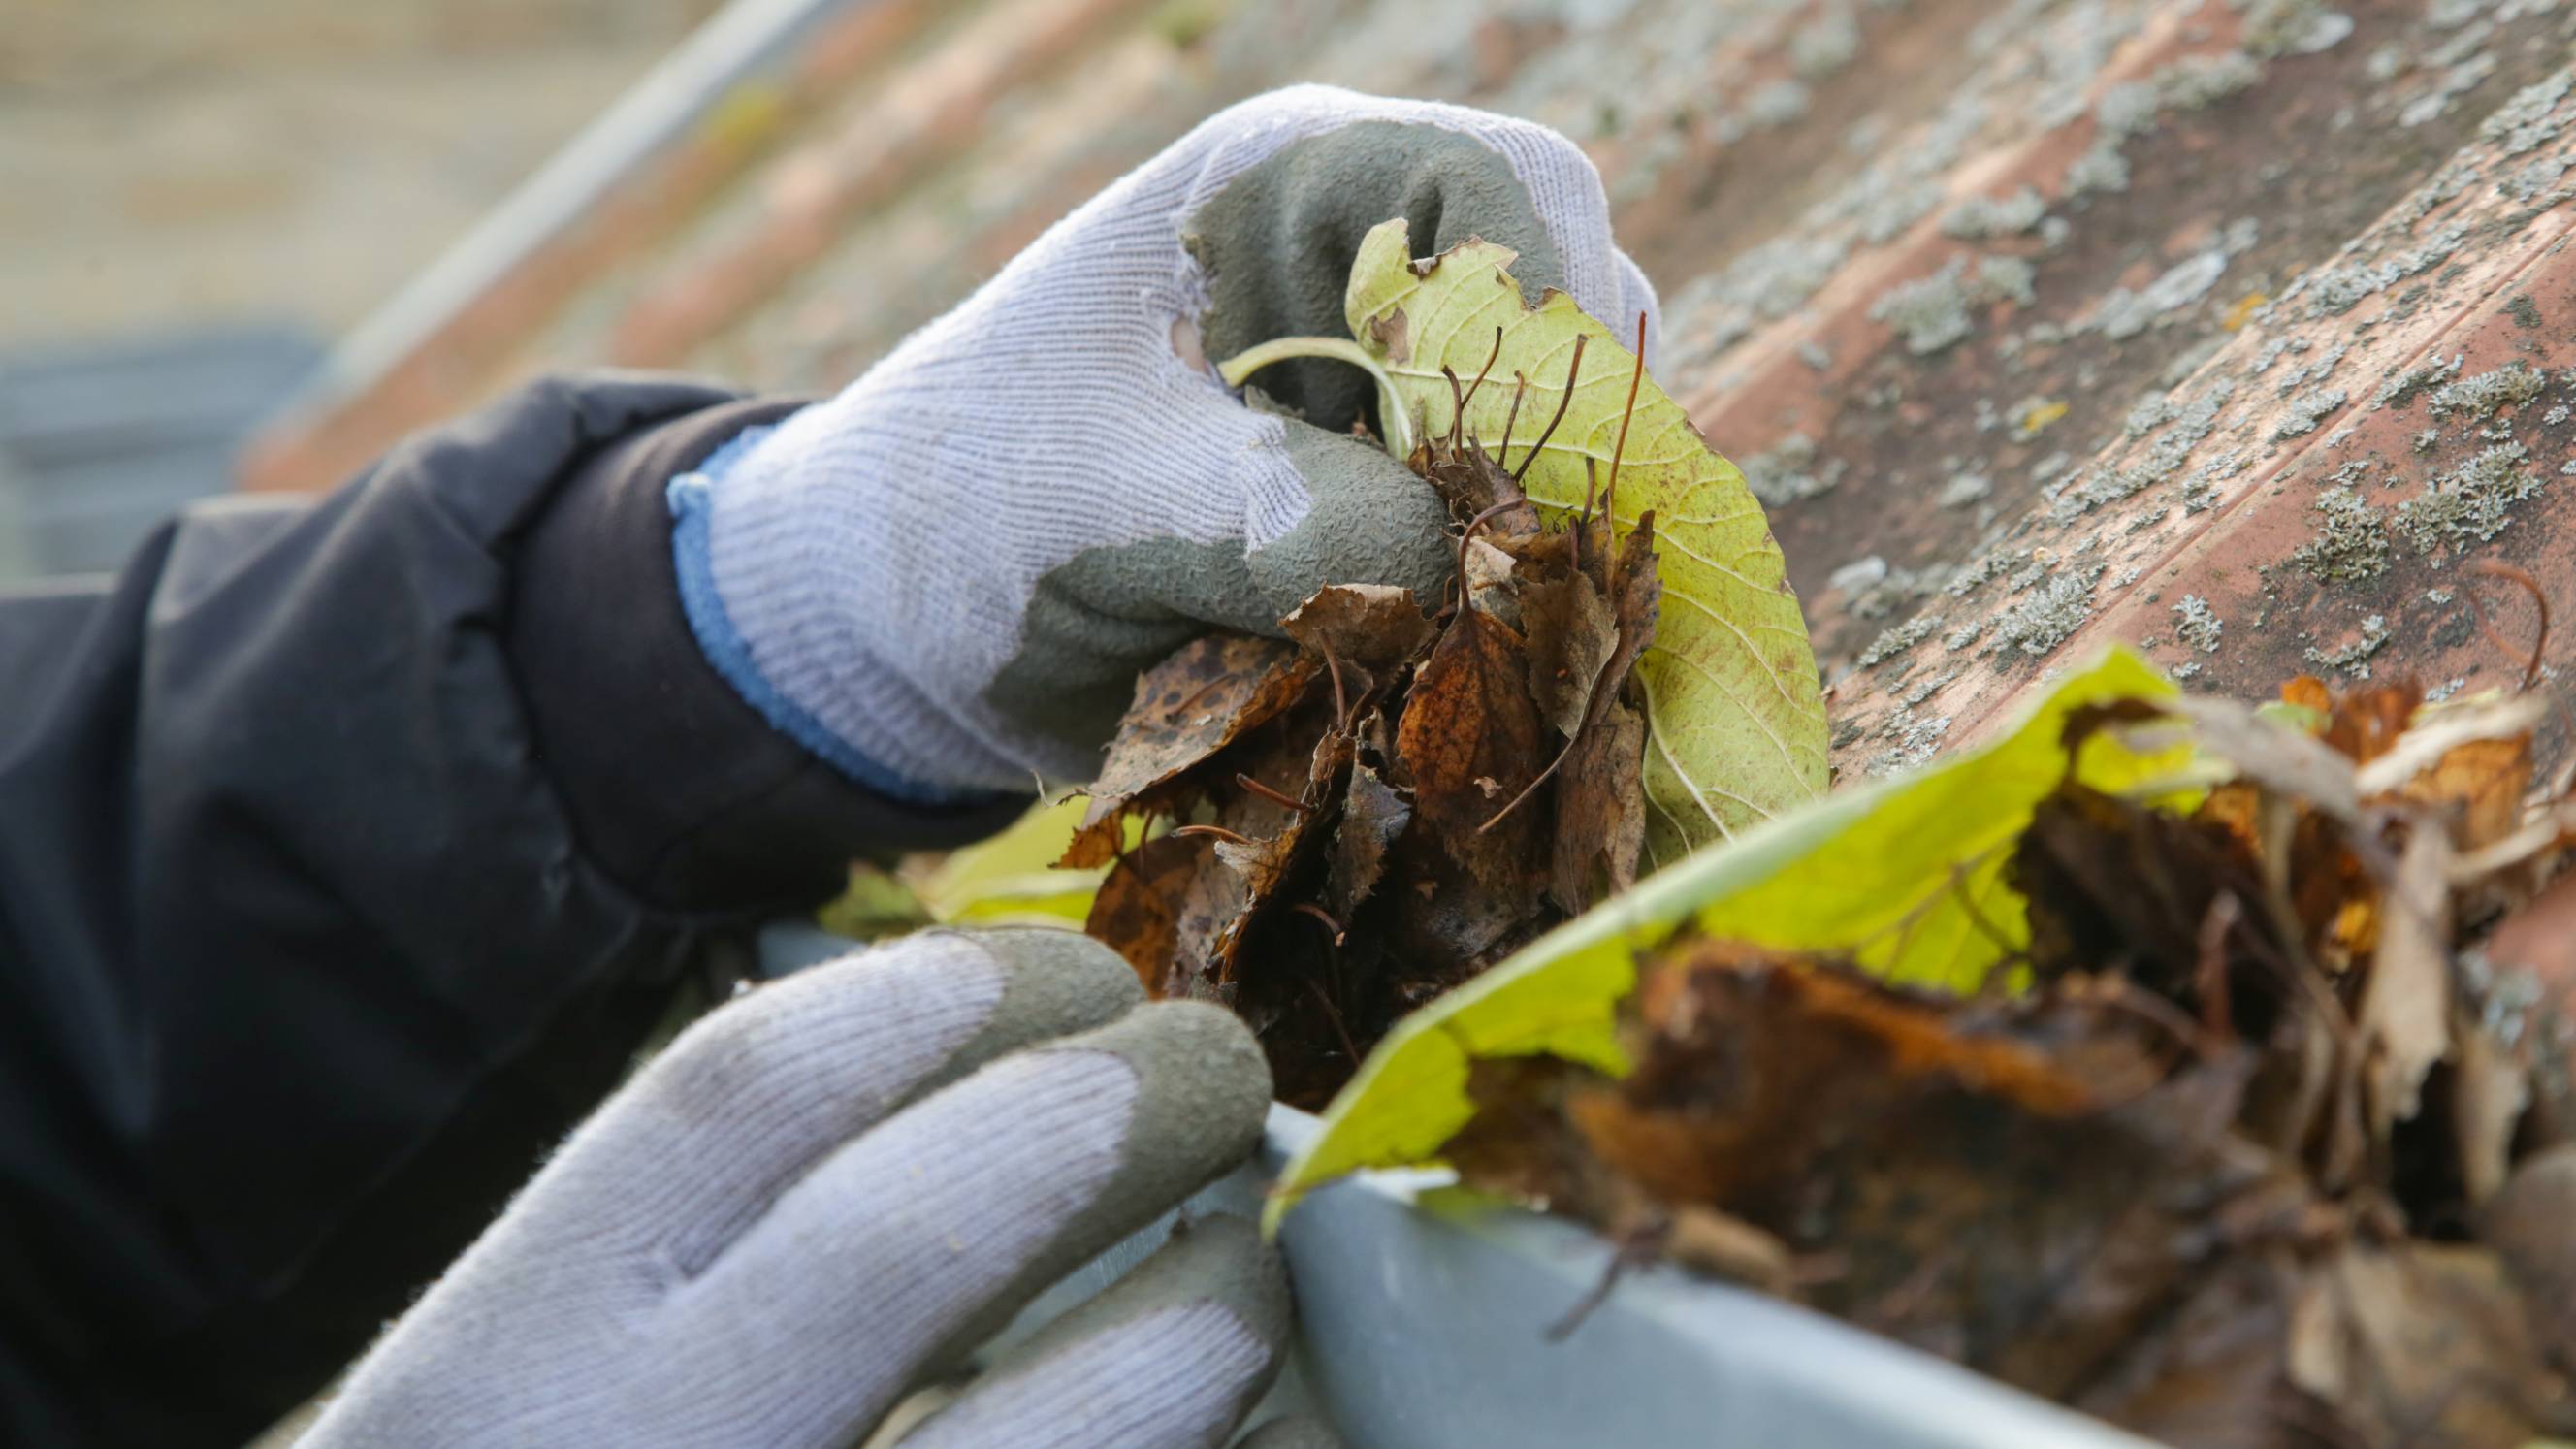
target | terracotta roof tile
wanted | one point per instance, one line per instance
(2037, 321)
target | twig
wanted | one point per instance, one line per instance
(1633, 1249)
(1333, 1014)
(1532, 787)
(2539, 600)
(1976, 917)
(1911, 1292)
(1216, 832)
(1583, 520)
(1520, 389)
(2148, 1006)
(1275, 797)
(1610, 490)
(1319, 913)
(1573, 373)
(1480, 377)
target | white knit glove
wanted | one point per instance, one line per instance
(947, 578)
(831, 1190)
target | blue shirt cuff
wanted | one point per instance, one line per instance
(691, 497)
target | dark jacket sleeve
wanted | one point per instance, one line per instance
(348, 850)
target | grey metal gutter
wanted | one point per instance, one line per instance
(1428, 1329)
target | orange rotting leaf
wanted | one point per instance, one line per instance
(1469, 741)
(2478, 787)
(2363, 723)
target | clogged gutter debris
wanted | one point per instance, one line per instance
(2213, 1081)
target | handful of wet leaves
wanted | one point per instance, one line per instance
(1342, 825)
(1385, 803)
(2256, 1128)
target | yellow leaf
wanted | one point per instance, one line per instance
(1735, 716)
(1009, 879)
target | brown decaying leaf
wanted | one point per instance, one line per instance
(2437, 733)
(1805, 1044)
(1475, 486)
(1637, 601)
(1469, 740)
(2363, 724)
(1600, 810)
(1572, 634)
(1987, 1176)
(2479, 787)
(2010, 1185)
(2363, 1344)
(1207, 694)
(1151, 911)
(2113, 884)
(2216, 1375)
(1373, 815)
(2309, 692)
(1371, 625)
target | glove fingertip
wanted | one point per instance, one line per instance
(1057, 982)
(1178, 1350)
(1204, 1083)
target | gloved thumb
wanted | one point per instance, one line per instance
(1369, 520)
(1316, 507)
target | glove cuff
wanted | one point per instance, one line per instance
(730, 654)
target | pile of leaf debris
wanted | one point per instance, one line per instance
(2252, 1143)
(1384, 804)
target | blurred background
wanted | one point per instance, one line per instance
(197, 200)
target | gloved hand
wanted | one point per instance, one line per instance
(947, 578)
(832, 1189)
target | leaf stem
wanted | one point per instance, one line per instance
(1390, 408)
(1520, 385)
(1573, 377)
(1610, 491)
(1275, 797)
